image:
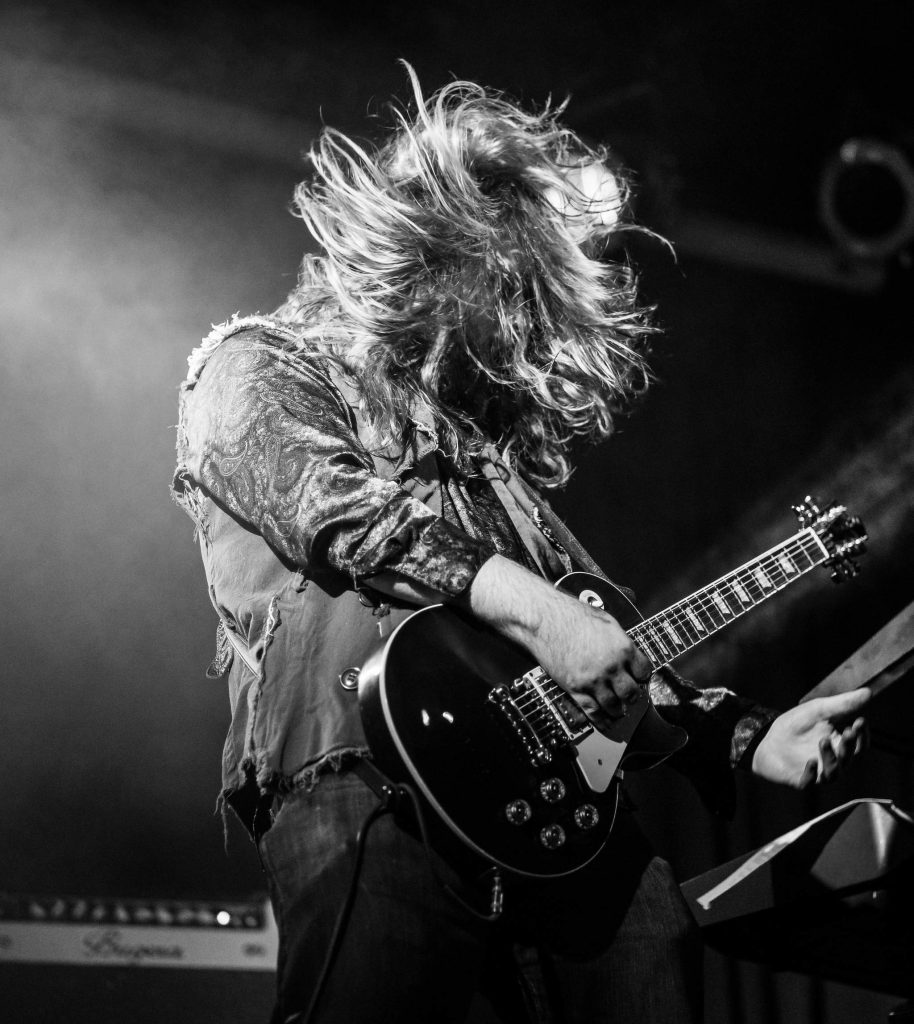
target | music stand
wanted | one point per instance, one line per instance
(885, 663)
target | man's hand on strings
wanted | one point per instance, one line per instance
(584, 649)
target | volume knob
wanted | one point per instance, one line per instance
(552, 837)
(552, 790)
(518, 812)
(586, 816)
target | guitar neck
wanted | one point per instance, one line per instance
(684, 625)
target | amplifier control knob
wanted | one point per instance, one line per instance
(586, 816)
(518, 812)
(552, 790)
(552, 837)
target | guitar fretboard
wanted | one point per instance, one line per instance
(683, 625)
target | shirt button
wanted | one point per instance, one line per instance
(349, 679)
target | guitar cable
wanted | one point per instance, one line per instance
(496, 896)
(391, 796)
(387, 806)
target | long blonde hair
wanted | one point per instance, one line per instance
(462, 259)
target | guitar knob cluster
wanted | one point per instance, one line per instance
(586, 817)
(552, 837)
(518, 812)
(552, 790)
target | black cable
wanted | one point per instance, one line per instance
(343, 917)
(390, 800)
(496, 895)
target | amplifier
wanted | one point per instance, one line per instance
(82, 959)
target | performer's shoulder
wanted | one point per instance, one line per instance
(287, 342)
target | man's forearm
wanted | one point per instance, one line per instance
(582, 648)
(502, 594)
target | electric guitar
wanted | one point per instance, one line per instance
(504, 759)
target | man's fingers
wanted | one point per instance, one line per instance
(602, 712)
(828, 759)
(850, 742)
(810, 774)
(641, 667)
(611, 702)
(863, 735)
(625, 688)
(843, 745)
(841, 705)
(628, 683)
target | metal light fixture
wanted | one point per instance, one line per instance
(866, 199)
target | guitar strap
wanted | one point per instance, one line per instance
(375, 779)
(537, 524)
(552, 547)
(503, 481)
(567, 539)
(536, 510)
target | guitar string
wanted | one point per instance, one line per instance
(673, 632)
(648, 633)
(804, 543)
(659, 651)
(704, 601)
(746, 577)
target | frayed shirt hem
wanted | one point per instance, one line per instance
(256, 768)
(334, 761)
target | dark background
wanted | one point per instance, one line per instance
(147, 159)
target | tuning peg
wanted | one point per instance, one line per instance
(844, 569)
(807, 511)
(854, 546)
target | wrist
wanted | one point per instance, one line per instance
(747, 759)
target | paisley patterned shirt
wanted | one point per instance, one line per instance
(280, 452)
(268, 438)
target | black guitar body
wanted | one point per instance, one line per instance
(503, 760)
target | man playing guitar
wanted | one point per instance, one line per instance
(380, 444)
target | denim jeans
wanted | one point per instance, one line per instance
(613, 942)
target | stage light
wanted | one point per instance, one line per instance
(866, 199)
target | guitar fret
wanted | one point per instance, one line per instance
(695, 620)
(685, 624)
(775, 572)
(670, 632)
(653, 655)
(720, 603)
(658, 640)
(703, 609)
(656, 656)
(764, 580)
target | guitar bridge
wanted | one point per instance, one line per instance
(540, 714)
(503, 699)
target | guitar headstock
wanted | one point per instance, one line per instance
(843, 535)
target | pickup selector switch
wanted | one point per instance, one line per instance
(552, 837)
(552, 790)
(586, 816)
(518, 812)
